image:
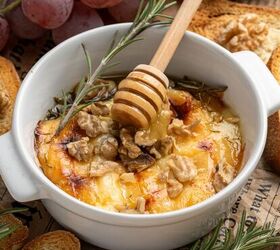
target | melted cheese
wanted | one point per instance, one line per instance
(223, 143)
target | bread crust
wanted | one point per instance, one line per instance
(55, 240)
(9, 85)
(272, 148)
(213, 14)
(17, 238)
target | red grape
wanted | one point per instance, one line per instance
(4, 32)
(82, 18)
(98, 4)
(49, 14)
(22, 26)
(125, 11)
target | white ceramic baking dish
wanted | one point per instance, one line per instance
(252, 92)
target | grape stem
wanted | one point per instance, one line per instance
(3, 3)
(9, 7)
(141, 22)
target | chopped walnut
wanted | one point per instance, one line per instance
(93, 125)
(100, 168)
(81, 150)
(178, 127)
(154, 152)
(174, 188)
(103, 92)
(5, 103)
(140, 205)
(142, 162)
(98, 108)
(224, 175)
(128, 178)
(163, 147)
(166, 145)
(142, 138)
(182, 167)
(133, 151)
(107, 146)
(163, 175)
(248, 32)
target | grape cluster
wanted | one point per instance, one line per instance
(31, 19)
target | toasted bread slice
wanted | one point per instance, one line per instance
(15, 240)
(9, 85)
(56, 240)
(274, 64)
(223, 22)
(272, 149)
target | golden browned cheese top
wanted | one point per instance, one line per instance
(206, 156)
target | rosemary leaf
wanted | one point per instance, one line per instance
(5, 228)
(13, 210)
(88, 60)
(142, 21)
(7, 231)
(253, 238)
(195, 86)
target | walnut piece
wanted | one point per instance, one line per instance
(129, 147)
(178, 127)
(103, 92)
(154, 152)
(98, 108)
(141, 205)
(248, 32)
(93, 125)
(139, 209)
(142, 138)
(100, 168)
(5, 103)
(224, 175)
(164, 173)
(107, 146)
(163, 147)
(178, 170)
(182, 167)
(142, 162)
(174, 188)
(81, 150)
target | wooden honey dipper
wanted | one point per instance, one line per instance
(140, 96)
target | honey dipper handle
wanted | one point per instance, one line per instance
(175, 34)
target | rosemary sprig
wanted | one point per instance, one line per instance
(142, 21)
(194, 86)
(5, 228)
(253, 238)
